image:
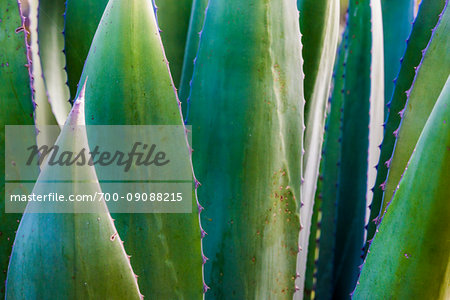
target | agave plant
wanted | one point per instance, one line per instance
(319, 152)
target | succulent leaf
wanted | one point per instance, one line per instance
(130, 84)
(193, 40)
(51, 53)
(173, 21)
(409, 257)
(431, 74)
(74, 251)
(43, 113)
(420, 35)
(319, 23)
(359, 130)
(398, 17)
(16, 108)
(247, 123)
(326, 193)
(81, 21)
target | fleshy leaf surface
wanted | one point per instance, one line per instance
(246, 112)
(69, 255)
(193, 40)
(409, 257)
(323, 226)
(420, 35)
(430, 78)
(81, 22)
(130, 84)
(319, 50)
(16, 108)
(398, 18)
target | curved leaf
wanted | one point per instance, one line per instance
(411, 260)
(430, 78)
(193, 40)
(129, 84)
(69, 255)
(420, 35)
(81, 21)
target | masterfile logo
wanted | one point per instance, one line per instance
(140, 169)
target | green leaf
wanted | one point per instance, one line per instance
(362, 110)
(397, 22)
(16, 108)
(409, 257)
(319, 23)
(173, 21)
(246, 111)
(81, 21)
(51, 47)
(69, 255)
(43, 114)
(326, 194)
(129, 84)
(193, 40)
(430, 78)
(426, 20)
